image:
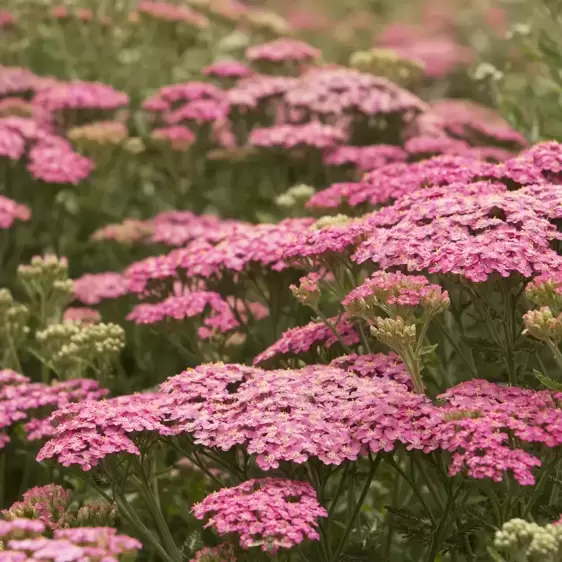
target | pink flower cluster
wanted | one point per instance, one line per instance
(168, 97)
(85, 433)
(288, 137)
(250, 92)
(7, 19)
(16, 80)
(439, 53)
(469, 120)
(302, 339)
(23, 542)
(10, 211)
(474, 230)
(398, 291)
(272, 513)
(392, 181)
(260, 244)
(335, 415)
(92, 288)
(177, 137)
(80, 95)
(199, 112)
(82, 314)
(177, 228)
(172, 13)
(220, 315)
(283, 50)
(228, 69)
(485, 426)
(50, 158)
(20, 398)
(365, 158)
(381, 365)
(539, 164)
(335, 91)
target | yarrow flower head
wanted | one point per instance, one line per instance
(397, 295)
(475, 230)
(83, 434)
(10, 211)
(228, 69)
(336, 415)
(288, 137)
(167, 12)
(93, 288)
(486, 427)
(302, 339)
(81, 314)
(283, 50)
(365, 158)
(271, 513)
(23, 541)
(21, 399)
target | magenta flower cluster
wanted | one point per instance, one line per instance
(85, 433)
(283, 50)
(21, 399)
(288, 137)
(50, 158)
(301, 339)
(220, 315)
(385, 289)
(23, 542)
(10, 211)
(272, 513)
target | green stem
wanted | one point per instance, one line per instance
(437, 536)
(351, 523)
(159, 519)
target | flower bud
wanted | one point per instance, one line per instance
(395, 333)
(543, 325)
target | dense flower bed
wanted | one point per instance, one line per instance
(274, 287)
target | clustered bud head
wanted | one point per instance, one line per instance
(529, 542)
(332, 220)
(395, 332)
(14, 327)
(27, 539)
(308, 291)
(546, 290)
(270, 513)
(543, 325)
(47, 285)
(388, 63)
(103, 133)
(74, 347)
(296, 195)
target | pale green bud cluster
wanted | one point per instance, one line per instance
(47, 285)
(395, 332)
(295, 196)
(14, 326)
(331, 221)
(543, 325)
(74, 347)
(388, 63)
(522, 541)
